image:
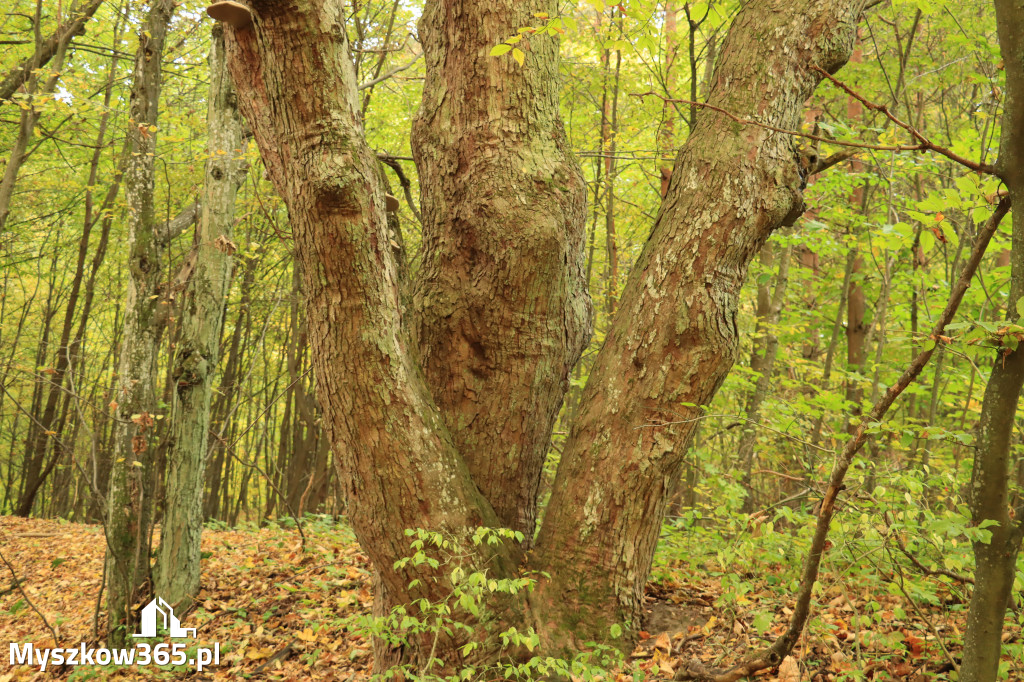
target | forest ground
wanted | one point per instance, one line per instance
(283, 614)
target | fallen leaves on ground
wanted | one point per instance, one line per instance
(279, 613)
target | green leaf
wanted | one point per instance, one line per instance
(500, 49)
(762, 621)
(927, 240)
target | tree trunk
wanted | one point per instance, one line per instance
(177, 575)
(296, 85)
(130, 492)
(732, 185)
(500, 190)
(996, 559)
(501, 310)
(762, 362)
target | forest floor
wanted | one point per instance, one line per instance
(279, 613)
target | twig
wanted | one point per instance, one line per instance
(389, 74)
(923, 145)
(392, 163)
(18, 583)
(734, 416)
(913, 604)
(282, 653)
(917, 563)
(788, 477)
(918, 135)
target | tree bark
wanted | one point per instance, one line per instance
(500, 191)
(130, 492)
(731, 186)
(397, 459)
(501, 312)
(177, 575)
(996, 559)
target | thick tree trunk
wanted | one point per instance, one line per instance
(501, 311)
(130, 492)
(396, 457)
(996, 560)
(177, 575)
(503, 308)
(675, 336)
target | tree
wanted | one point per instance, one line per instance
(198, 351)
(132, 473)
(439, 415)
(996, 556)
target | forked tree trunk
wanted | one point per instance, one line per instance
(177, 575)
(395, 453)
(996, 560)
(440, 417)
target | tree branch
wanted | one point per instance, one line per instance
(784, 644)
(178, 224)
(17, 76)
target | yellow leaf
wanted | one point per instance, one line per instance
(518, 55)
(306, 635)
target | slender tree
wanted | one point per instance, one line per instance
(130, 491)
(996, 557)
(198, 348)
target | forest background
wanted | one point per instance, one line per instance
(832, 312)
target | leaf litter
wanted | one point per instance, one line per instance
(281, 614)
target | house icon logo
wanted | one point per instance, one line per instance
(159, 612)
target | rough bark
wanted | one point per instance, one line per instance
(130, 494)
(492, 226)
(396, 457)
(996, 560)
(198, 348)
(675, 336)
(502, 303)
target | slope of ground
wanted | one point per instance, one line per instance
(278, 612)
